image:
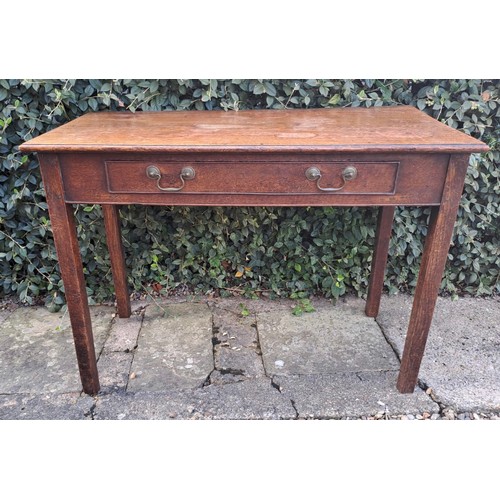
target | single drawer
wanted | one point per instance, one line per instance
(252, 178)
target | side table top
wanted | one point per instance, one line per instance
(376, 129)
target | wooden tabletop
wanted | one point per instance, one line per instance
(377, 129)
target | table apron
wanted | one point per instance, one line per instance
(254, 180)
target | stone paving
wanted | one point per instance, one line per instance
(196, 358)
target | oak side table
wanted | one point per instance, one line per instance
(383, 156)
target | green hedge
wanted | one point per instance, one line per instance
(284, 251)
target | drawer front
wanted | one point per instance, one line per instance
(252, 178)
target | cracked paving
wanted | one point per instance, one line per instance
(214, 359)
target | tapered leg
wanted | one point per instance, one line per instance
(113, 236)
(70, 263)
(434, 257)
(379, 261)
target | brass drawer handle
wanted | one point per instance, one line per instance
(348, 174)
(187, 173)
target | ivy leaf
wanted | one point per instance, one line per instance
(334, 100)
(259, 89)
(196, 246)
(270, 89)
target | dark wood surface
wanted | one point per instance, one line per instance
(117, 257)
(255, 179)
(379, 261)
(70, 264)
(256, 158)
(434, 257)
(387, 128)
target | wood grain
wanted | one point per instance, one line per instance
(434, 257)
(70, 263)
(117, 257)
(385, 179)
(379, 261)
(390, 128)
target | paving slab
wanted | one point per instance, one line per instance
(211, 360)
(4, 314)
(237, 352)
(70, 406)
(331, 339)
(114, 370)
(254, 399)
(37, 353)
(123, 335)
(461, 361)
(174, 348)
(351, 395)
(144, 406)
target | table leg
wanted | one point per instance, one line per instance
(434, 257)
(70, 264)
(117, 257)
(379, 261)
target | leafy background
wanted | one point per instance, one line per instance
(292, 252)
